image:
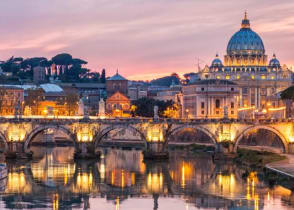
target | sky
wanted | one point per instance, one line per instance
(143, 39)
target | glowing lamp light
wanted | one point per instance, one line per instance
(291, 139)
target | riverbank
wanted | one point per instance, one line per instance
(256, 159)
(285, 167)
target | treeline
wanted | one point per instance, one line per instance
(68, 69)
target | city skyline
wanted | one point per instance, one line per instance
(144, 40)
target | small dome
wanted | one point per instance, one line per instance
(274, 61)
(216, 62)
(245, 41)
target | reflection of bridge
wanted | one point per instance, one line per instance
(121, 175)
(17, 134)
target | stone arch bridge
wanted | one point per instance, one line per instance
(17, 134)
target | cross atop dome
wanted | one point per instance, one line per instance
(245, 21)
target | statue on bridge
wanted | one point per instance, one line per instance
(101, 108)
(81, 107)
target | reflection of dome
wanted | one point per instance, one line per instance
(245, 41)
(216, 61)
(274, 61)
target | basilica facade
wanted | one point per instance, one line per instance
(247, 65)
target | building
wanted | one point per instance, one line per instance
(39, 74)
(210, 98)
(117, 103)
(91, 93)
(247, 65)
(170, 94)
(11, 98)
(116, 83)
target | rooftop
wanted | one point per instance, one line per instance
(116, 77)
(213, 82)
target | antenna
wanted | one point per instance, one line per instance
(199, 61)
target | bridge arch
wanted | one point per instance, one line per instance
(41, 128)
(197, 127)
(264, 127)
(4, 141)
(98, 138)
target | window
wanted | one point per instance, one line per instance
(228, 77)
(202, 112)
(232, 89)
(206, 76)
(202, 105)
(252, 77)
(217, 112)
(202, 89)
(245, 90)
(232, 105)
(238, 76)
(232, 112)
(263, 91)
(262, 76)
(218, 77)
(217, 103)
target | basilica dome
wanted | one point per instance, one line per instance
(245, 41)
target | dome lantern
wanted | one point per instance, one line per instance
(245, 21)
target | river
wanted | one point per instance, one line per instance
(121, 180)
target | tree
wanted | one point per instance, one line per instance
(288, 94)
(103, 77)
(62, 59)
(166, 81)
(172, 111)
(145, 107)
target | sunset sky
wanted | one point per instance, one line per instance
(144, 39)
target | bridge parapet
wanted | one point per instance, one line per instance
(93, 130)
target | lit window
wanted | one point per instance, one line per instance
(273, 77)
(218, 77)
(228, 77)
(262, 76)
(252, 77)
(238, 76)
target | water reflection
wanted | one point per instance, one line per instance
(55, 181)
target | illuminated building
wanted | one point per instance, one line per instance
(209, 99)
(10, 97)
(117, 104)
(247, 65)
